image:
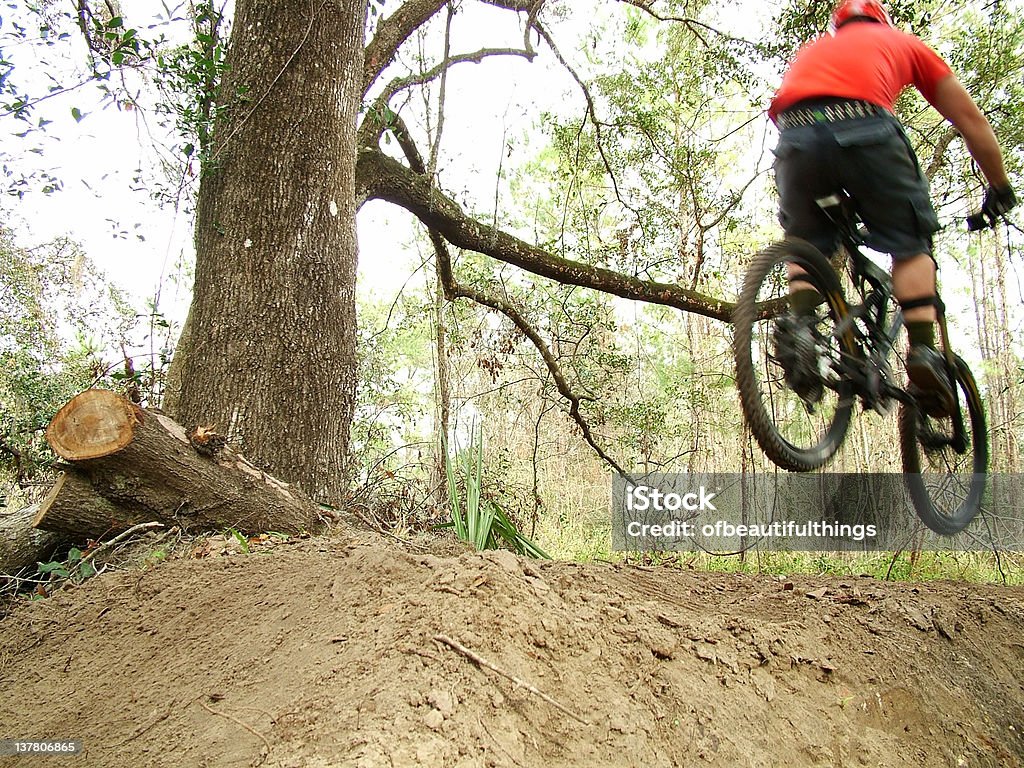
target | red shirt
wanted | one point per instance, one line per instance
(862, 60)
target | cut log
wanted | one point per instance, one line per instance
(142, 467)
(95, 423)
(75, 509)
(21, 545)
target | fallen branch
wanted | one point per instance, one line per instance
(482, 662)
(128, 466)
(121, 537)
(21, 545)
(237, 722)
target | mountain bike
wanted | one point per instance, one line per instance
(856, 355)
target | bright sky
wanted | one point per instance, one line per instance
(140, 245)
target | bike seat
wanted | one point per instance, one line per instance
(837, 204)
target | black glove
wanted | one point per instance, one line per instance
(998, 201)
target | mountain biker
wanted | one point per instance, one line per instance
(837, 131)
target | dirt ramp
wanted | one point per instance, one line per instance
(328, 654)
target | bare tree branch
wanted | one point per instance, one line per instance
(442, 91)
(383, 178)
(939, 152)
(591, 112)
(396, 29)
(531, 7)
(374, 125)
(392, 33)
(454, 290)
(475, 57)
(696, 27)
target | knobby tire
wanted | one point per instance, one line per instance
(947, 488)
(760, 387)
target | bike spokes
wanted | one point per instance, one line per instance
(946, 460)
(789, 369)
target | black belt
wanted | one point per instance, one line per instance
(828, 113)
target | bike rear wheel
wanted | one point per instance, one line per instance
(796, 434)
(947, 486)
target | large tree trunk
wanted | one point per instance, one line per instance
(267, 355)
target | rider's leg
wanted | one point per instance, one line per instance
(803, 297)
(802, 176)
(914, 285)
(914, 278)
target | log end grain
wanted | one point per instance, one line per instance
(93, 424)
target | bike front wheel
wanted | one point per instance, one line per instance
(798, 432)
(947, 481)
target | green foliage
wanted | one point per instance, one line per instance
(179, 56)
(983, 567)
(59, 320)
(480, 520)
(649, 183)
(986, 50)
(189, 77)
(39, 368)
(243, 542)
(395, 364)
(75, 569)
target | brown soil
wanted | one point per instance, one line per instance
(326, 652)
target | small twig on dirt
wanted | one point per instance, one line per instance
(269, 716)
(431, 657)
(121, 537)
(237, 722)
(482, 662)
(141, 730)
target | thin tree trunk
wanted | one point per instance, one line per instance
(442, 395)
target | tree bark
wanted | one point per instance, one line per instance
(129, 466)
(74, 509)
(442, 396)
(21, 545)
(267, 355)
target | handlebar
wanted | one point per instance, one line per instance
(980, 220)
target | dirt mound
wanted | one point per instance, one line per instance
(329, 653)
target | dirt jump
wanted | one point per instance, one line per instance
(350, 651)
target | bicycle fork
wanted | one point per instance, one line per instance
(958, 442)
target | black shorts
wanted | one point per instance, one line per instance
(869, 157)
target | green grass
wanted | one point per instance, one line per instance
(971, 567)
(583, 535)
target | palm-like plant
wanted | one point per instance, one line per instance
(481, 521)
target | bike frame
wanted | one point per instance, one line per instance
(870, 373)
